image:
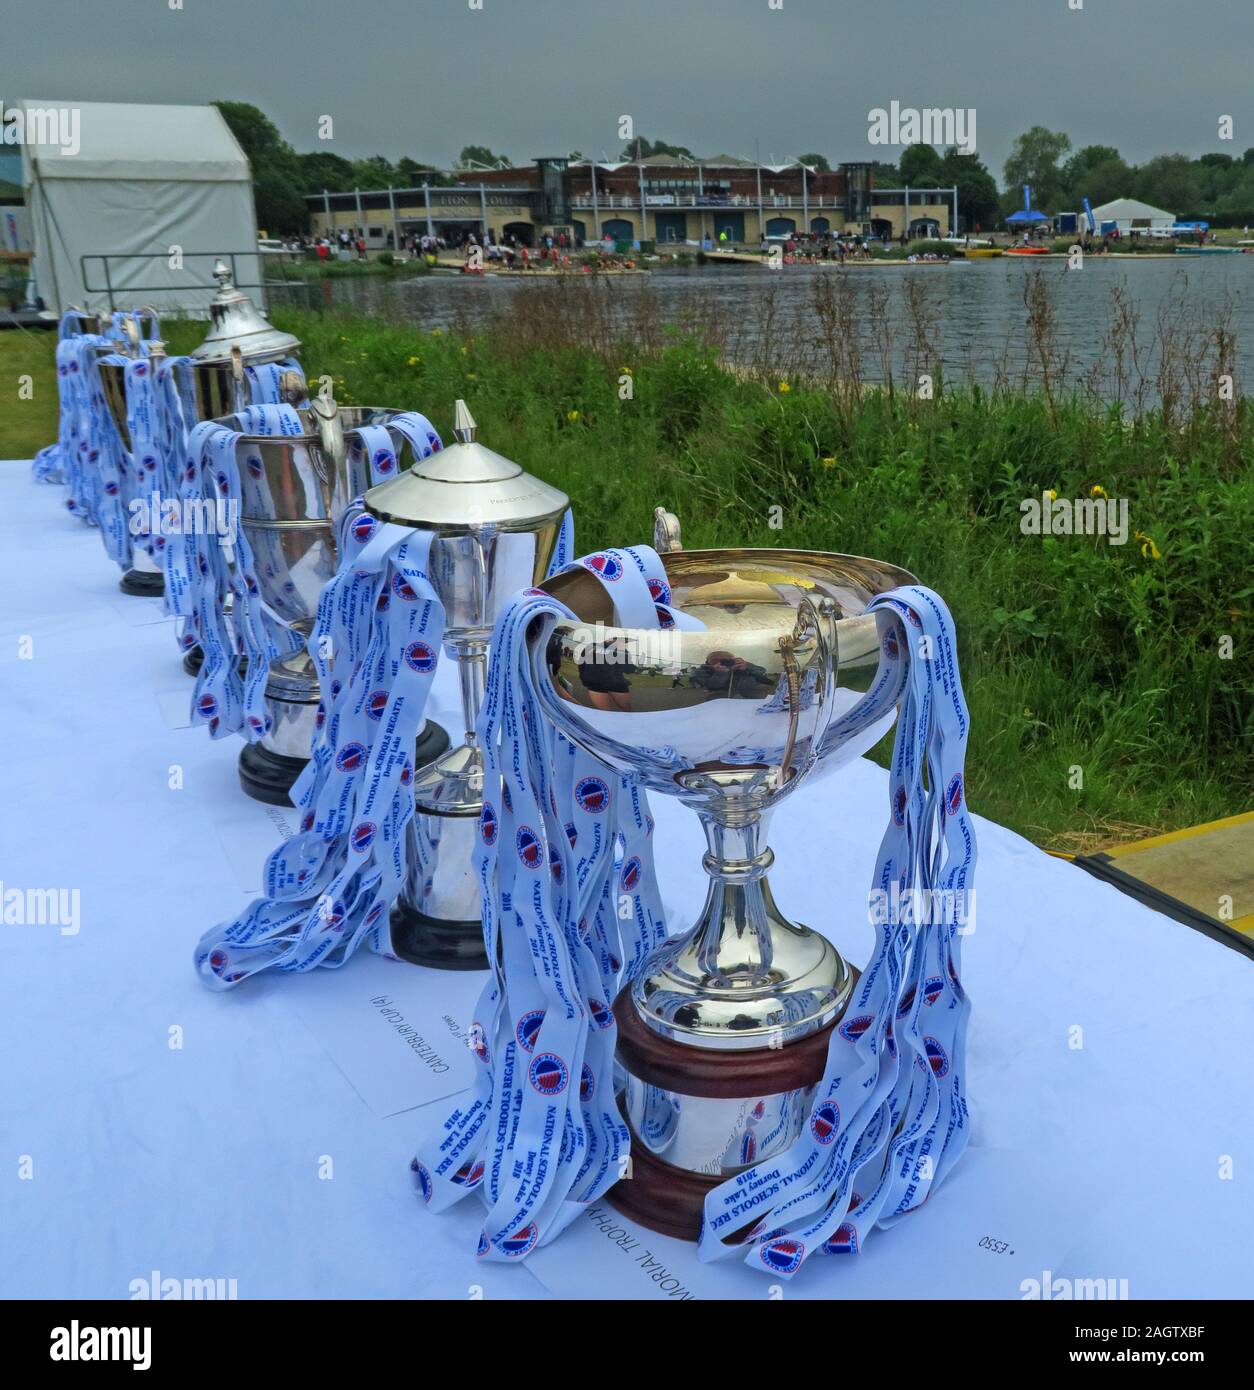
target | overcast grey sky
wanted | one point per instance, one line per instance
(528, 77)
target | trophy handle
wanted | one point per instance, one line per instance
(132, 334)
(819, 617)
(237, 376)
(666, 531)
(330, 461)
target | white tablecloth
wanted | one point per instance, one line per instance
(150, 1125)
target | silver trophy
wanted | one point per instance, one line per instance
(723, 1036)
(295, 492)
(495, 530)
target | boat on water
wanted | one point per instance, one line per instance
(1210, 251)
(980, 253)
(1027, 251)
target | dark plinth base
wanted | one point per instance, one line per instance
(431, 744)
(143, 583)
(433, 942)
(193, 660)
(657, 1194)
(268, 776)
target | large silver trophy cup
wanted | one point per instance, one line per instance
(495, 530)
(723, 1036)
(295, 492)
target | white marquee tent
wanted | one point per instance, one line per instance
(1129, 215)
(135, 189)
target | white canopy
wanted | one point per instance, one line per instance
(134, 203)
(1129, 213)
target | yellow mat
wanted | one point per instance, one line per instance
(1203, 876)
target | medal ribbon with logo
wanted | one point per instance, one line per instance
(570, 912)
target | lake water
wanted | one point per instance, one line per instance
(971, 314)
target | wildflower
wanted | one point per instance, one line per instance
(465, 351)
(828, 461)
(1051, 494)
(1148, 549)
(412, 361)
(784, 388)
(572, 416)
(437, 332)
(1097, 490)
(626, 371)
(472, 376)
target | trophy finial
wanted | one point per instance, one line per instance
(222, 273)
(666, 531)
(464, 426)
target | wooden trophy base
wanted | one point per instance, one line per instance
(658, 1194)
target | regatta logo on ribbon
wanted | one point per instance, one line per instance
(937, 1058)
(377, 703)
(424, 1179)
(607, 566)
(402, 589)
(933, 988)
(953, 794)
(587, 1083)
(527, 1028)
(548, 1074)
(784, 1256)
(555, 864)
(49, 127)
(470, 1174)
(842, 1241)
(592, 795)
(207, 706)
(363, 528)
(529, 848)
(659, 591)
(384, 460)
(855, 1027)
(420, 657)
(899, 806)
(632, 870)
(363, 835)
(351, 757)
(477, 1040)
(520, 1242)
(890, 644)
(825, 1121)
(488, 824)
(601, 1013)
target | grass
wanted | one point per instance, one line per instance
(1109, 685)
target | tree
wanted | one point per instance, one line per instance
(1034, 160)
(322, 169)
(815, 161)
(920, 166)
(278, 177)
(280, 204)
(1170, 182)
(480, 154)
(640, 148)
(884, 175)
(977, 188)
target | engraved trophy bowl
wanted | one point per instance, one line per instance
(294, 491)
(723, 1035)
(495, 529)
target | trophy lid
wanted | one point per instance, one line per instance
(466, 485)
(237, 322)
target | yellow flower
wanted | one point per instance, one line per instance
(437, 332)
(572, 416)
(1051, 494)
(828, 461)
(626, 371)
(465, 351)
(412, 362)
(471, 376)
(784, 388)
(1097, 490)
(1148, 549)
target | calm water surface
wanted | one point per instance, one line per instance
(976, 309)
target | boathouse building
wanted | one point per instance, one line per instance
(659, 198)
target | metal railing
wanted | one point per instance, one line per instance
(698, 202)
(133, 292)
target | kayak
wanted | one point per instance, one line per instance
(1209, 251)
(1026, 251)
(982, 252)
